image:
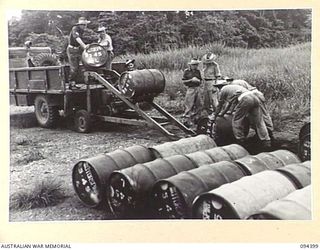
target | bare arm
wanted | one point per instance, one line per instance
(82, 44)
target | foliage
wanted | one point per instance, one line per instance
(282, 74)
(149, 31)
(43, 194)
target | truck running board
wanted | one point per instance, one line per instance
(152, 121)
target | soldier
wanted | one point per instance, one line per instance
(266, 116)
(28, 45)
(106, 42)
(75, 49)
(192, 80)
(130, 64)
(246, 104)
(211, 73)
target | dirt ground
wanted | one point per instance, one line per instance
(38, 154)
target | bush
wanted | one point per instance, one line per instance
(44, 194)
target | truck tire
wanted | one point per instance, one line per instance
(46, 115)
(82, 121)
(45, 59)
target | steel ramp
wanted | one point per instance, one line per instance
(152, 121)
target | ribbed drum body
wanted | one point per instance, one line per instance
(90, 176)
(253, 164)
(129, 187)
(172, 197)
(143, 82)
(295, 206)
(243, 197)
(222, 131)
(299, 174)
(183, 146)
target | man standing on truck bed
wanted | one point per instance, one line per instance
(106, 42)
(75, 48)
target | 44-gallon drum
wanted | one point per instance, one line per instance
(145, 82)
(183, 146)
(90, 176)
(221, 129)
(305, 142)
(295, 206)
(244, 197)
(94, 55)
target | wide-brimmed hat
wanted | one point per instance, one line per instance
(28, 43)
(82, 20)
(100, 29)
(220, 83)
(209, 58)
(128, 61)
(194, 61)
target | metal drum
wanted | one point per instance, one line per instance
(221, 131)
(253, 164)
(94, 55)
(183, 146)
(172, 198)
(295, 206)
(129, 187)
(235, 151)
(90, 176)
(142, 82)
(305, 142)
(299, 174)
(242, 198)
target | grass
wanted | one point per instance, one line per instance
(44, 194)
(33, 155)
(282, 74)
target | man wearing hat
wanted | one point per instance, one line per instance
(266, 116)
(246, 104)
(211, 73)
(75, 48)
(130, 64)
(192, 79)
(106, 42)
(29, 57)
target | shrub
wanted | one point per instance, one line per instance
(44, 194)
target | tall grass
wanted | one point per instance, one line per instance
(42, 194)
(282, 74)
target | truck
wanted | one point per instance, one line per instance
(106, 95)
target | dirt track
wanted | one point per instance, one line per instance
(39, 154)
(42, 154)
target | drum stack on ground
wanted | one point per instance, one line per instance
(193, 178)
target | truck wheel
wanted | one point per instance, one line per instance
(45, 59)
(46, 115)
(82, 121)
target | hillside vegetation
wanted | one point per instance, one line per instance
(282, 74)
(150, 31)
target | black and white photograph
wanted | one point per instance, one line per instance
(160, 115)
